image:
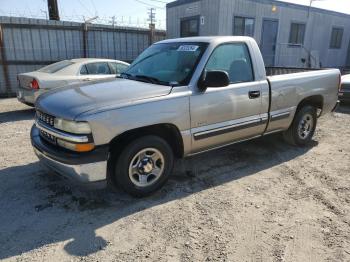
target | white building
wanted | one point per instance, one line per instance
(289, 35)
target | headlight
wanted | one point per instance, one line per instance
(72, 126)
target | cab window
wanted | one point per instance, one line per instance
(233, 58)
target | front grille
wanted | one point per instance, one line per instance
(48, 137)
(345, 87)
(49, 121)
(45, 118)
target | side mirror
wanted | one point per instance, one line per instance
(215, 78)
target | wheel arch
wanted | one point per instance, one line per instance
(315, 100)
(169, 132)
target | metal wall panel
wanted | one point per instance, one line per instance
(32, 43)
(218, 16)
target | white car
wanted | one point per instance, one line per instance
(64, 73)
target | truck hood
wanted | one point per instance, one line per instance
(71, 101)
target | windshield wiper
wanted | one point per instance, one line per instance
(125, 76)
(149, 79)
(143, 78)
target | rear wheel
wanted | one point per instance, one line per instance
(303, 126)
(144, 166)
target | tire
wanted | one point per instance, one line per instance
(303, 127)
(143, 166)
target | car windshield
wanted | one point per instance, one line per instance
(166, 63)
(53, 68)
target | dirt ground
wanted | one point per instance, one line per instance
(256, 201)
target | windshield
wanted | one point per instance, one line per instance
(168, 63)
(53, 68)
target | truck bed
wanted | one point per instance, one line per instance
(287, 90)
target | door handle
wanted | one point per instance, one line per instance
(254, 94)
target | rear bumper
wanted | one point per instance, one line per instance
(83, 168)
(28, 96)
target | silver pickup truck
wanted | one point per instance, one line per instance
(180, 97)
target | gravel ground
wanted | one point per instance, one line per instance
(256, 201)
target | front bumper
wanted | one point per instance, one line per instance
(28, 96)
(84, 168)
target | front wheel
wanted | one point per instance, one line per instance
(144, 166)
(303, 127)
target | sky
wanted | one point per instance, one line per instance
(125, 12)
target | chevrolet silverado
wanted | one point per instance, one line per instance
(180, 97)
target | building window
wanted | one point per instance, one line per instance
(189, 27)
(243, 26)
(297, 33)
(336, 38)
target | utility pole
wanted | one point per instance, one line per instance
(53, 10)
(152, 27)
(85, 34)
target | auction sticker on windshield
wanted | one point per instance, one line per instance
(188, 48)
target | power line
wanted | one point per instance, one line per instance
(85, 8)
(93, 4)
(159, 1)
(147, 4)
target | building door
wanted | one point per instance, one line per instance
(268, 41)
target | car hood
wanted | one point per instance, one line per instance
(71, 101)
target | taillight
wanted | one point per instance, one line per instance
(34, 84)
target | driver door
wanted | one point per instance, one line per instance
(223, 115)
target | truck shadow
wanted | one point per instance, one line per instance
(18, 115)
(344, 108)
(39, 209)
